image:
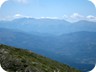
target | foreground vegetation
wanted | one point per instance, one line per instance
(18, 60)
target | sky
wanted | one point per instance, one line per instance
(71, 10)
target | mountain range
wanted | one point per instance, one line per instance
(48, 26)
(69, 43)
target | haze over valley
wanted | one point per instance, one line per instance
(75, 47)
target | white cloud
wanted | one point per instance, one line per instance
(74, 17)
(48, 18)
(2, 2)
(11, 17)
(71, 18)
(77, 17)
(15, 16)
(91, 17)
(18, 16)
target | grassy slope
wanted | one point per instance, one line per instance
(24, 60)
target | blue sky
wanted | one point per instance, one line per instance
(48, 9)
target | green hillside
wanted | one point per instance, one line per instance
(18, 60)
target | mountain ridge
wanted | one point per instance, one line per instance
(73, 49)
(50, 26)
(19, 60)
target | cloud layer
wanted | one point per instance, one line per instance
(77, 17)
(71, 18)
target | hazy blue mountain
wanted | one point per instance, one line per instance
(76, 49)
(48, 26)
(36, 25)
